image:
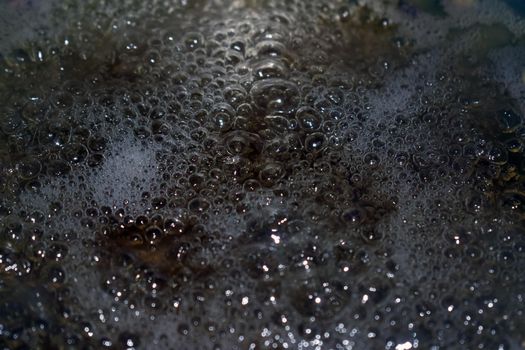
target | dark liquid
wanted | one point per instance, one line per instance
(258, 175)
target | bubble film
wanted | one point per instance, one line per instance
(262, 174)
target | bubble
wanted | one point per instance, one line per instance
(514, 146)
(335, 96)
(56, 276)
(158, 203)
(95, 160)
(315, 142)
(29, 168)
(268, 68)
(251, 185)
(509, 120)
(243, 143)
(323, 303)
(270, 48)
(63, 100)
(275, 95)
(198, 205)
(58, 168)
(235, 95)
(370, 236)
(373, 160)
(222, 117)
(193, 41)
(56, 133)
(308, 118)
(497, 155)
(129, 340)
(74, 153)
(142, 132)
(277, 123)
(277, 149)
(353, 216)
(97, 144)
(270, 174)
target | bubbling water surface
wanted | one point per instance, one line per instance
(257, 174)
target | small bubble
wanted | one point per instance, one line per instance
(315, 142)
(74, 153)
(270, 174)
(509, 120)
(193, 41)
(29, 168)
(308, 118)
(58, 168)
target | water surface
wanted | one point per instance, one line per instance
(261, 174)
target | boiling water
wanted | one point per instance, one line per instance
(259, 174)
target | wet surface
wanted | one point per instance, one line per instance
(262, 175)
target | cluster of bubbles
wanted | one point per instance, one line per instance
(262, 175)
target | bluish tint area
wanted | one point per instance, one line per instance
(517, 5)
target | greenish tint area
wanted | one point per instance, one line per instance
(484, 38)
